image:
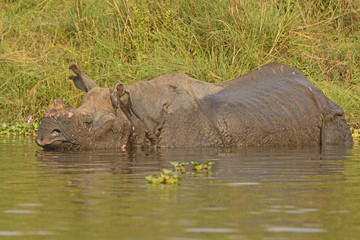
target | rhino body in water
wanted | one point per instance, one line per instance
(272, 105)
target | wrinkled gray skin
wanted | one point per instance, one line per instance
(272, 105)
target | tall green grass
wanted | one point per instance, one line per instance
(211, 40)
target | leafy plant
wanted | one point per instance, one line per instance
(172, 177)
(199, 167)
(18, 128)
(179, 167)
(166, 177)
(356, 133)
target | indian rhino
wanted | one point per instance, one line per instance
(272, 105)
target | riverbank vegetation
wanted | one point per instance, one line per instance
(132, 40)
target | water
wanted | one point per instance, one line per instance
(269, 193)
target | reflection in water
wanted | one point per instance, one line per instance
(119, 162)
(274, 193)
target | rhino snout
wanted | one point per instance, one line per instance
(54, 139)
(41, 141)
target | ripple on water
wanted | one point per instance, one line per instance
(10, 233)
(29, 205)
(302, 210)
(243, 183)
(296, 229)
(15, 233)
(210, 230)
(19, 211)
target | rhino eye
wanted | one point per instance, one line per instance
(55, 132)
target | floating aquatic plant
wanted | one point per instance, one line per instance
(172, 176)
(166, 177)
(199, 167)
(180, 167)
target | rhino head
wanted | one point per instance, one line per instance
(100, 122)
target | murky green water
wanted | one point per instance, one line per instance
(271, 193)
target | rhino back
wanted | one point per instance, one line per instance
(275, 105)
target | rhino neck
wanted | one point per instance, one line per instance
(140, 132)
(169, 107)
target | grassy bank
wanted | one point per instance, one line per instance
(211, 40)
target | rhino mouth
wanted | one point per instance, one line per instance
(58, 145)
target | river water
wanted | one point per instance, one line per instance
(255, 193)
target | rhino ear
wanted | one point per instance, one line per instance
(81, 80)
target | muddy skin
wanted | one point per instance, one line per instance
(272, 105)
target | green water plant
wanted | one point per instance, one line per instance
(180, 167)
(18, 128)
(355, 133)
(199, 167)
(166, 177)
(172, 176)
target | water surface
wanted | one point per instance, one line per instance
(256, 193)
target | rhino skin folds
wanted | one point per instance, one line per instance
(272, 105)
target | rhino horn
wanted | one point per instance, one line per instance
(58, 107)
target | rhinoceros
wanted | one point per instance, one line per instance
(272, 105)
